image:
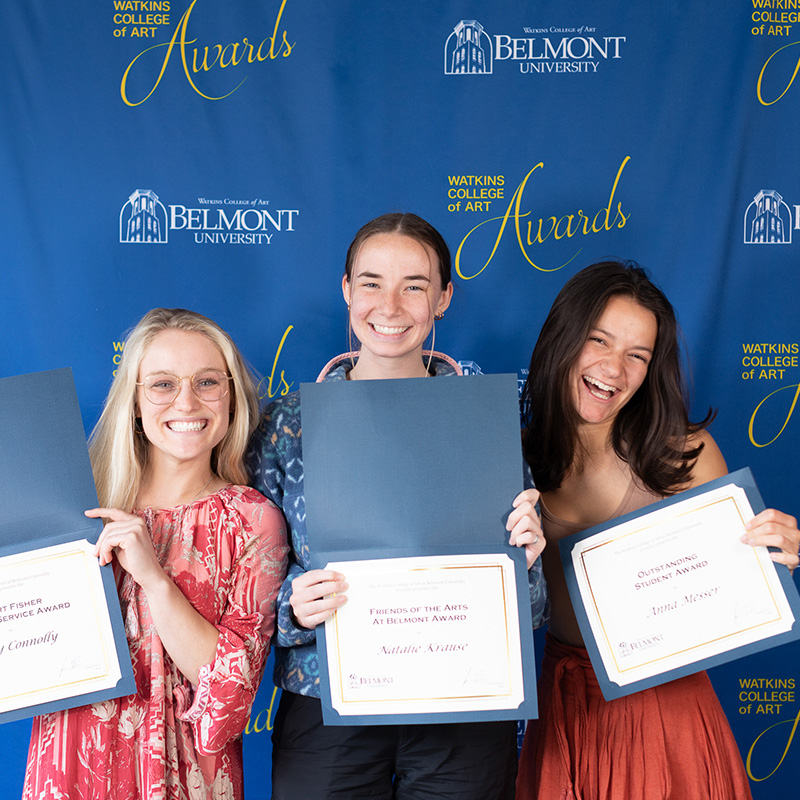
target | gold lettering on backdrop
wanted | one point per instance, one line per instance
(117, 357)
(763, 70)
(256, 725)
(785, 749)
(217, 56)
(567, 226)
(283, 387)
(796, 387)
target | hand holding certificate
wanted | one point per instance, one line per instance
(437, 623)
(672, 589)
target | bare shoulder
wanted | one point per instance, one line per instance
(710, 463)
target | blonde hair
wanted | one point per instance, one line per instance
(119, 453)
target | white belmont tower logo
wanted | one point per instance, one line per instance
(768, 220)
(143, 219)
(468, 50)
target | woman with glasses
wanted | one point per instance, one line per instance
(396, 283)
(198, 558)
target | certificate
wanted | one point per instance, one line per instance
(62, 640)
(408, 485)
(672, 590)
(56, 639)
(426, 635)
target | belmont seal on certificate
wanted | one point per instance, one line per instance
(426, 634)
(56, 639)
(676, 586)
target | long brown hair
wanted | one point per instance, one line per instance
(650, 432)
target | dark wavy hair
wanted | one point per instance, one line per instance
(406, 225)
(650, 432)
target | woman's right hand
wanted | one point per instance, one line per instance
(126, 537)
(316, 595)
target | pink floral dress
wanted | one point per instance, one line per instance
(227, 553)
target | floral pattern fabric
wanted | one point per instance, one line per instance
(275, 462)
(227, 554)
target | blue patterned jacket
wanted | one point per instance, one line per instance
(275, 463)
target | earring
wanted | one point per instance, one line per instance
(137, 426)
(439, 316)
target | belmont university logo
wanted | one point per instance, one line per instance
(470, 50)
(144, 219)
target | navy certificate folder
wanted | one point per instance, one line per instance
(742, 478)
(46, 484)
(415, 467)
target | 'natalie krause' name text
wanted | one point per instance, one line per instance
(416, 649)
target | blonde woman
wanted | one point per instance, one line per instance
(199, 558)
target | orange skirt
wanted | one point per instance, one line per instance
(671, 742)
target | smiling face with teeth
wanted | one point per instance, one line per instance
(394, 292)
(188, 428)
(613, 362)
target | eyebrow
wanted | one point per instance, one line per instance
(175, 374)
(611, 336)
(405, 278)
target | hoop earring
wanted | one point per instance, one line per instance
(439, 316)
(138, 428)
(433, 348)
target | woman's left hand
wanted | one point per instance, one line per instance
(525, 525)
(773, 528)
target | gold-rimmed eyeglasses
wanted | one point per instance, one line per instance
(208, 384)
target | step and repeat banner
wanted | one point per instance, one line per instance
(219, 155)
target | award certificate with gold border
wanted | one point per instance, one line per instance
(62, 637)
(408, 486)
(672, 589)
(426, 634)
(56, 639)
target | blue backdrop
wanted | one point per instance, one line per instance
(220, 154)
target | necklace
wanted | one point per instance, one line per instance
(205, 486)
(601, 450)
(143, 502)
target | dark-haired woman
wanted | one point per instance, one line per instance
(607, 432)
(396, 282)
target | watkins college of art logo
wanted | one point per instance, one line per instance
(144, 219)
(768, 219)
(469, 50)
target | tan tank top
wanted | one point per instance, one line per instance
(563, 624)
(635, 498)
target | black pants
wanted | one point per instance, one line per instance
(459, 761)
